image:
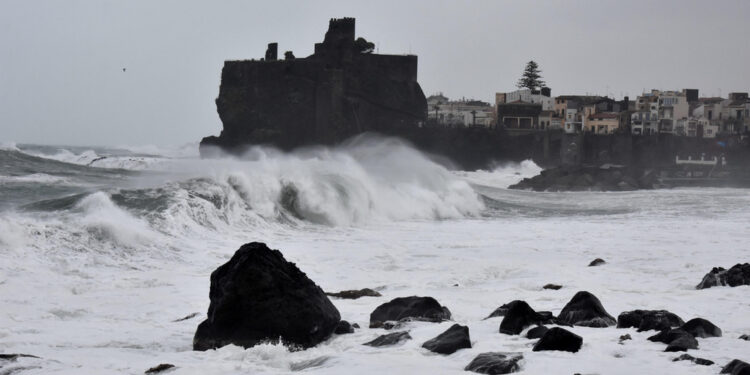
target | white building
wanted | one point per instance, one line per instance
(442, 111)
(535, 97)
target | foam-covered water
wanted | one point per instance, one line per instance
(99, 262)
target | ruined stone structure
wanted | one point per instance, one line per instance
(339, 91)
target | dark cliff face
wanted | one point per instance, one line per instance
(323, 99)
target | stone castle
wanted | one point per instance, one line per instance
(343, 89)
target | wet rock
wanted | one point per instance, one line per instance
(552, 286)
(495, 363)
(586, 310)
(625, 337)
(354, 294)
(699, 327)
(682, 344)
(745, 337)
(546, 317)
(559, 339)
(645, 320)
(389, 339)
(355, 325)
(736, 367)
(14, 356)
(160, 368)
(343, 328)
(597, 262)
(536, 332)
(409, 308)
(190, 316)
(448, 342)
(500, 311)
(677, 339)
(738, 275)
(258, 296)
(519, 316)
(697, 361)
(310, 363)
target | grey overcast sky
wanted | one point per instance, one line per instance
(61, 78)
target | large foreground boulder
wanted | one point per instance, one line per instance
(455, 338)
(646, 320)
(409, 308)
(738, 275)
(258, 296)
(495, 363)
(560, 339)
(584, 309)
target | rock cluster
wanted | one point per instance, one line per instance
(582, 178)
(646, 320)
(258, 296)
(738, 275)
(683, 338)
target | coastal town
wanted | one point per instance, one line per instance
(526, 111)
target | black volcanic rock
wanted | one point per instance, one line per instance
(677, 339)
(343, 328)
(745, 337)
(700, 327)
(536, 332)
(355, 294)
(160, 368)
(495, 363)
(500, 311)
(584, 309)
(736, 367)
(559, 339)
(738, 275)
(597, 262)
(552, 286)
(409, 308)
(258, 296)
(519, 316)
(697, 361)
(389, 339)
(455, 338)
(588, 178)
(682, 344)
(645, 320)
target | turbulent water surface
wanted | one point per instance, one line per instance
(105, 250)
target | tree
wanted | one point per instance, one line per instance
(531, 78)
(363, 46)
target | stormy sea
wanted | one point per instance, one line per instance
(107, 253)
